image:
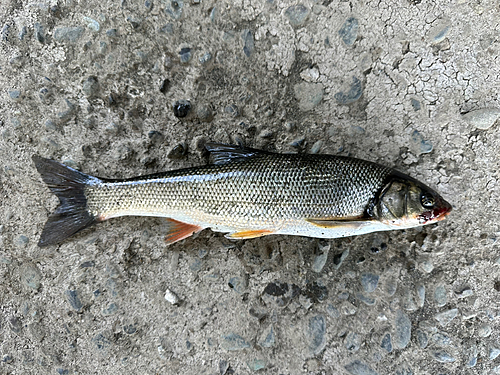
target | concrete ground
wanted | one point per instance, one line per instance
(411, 84)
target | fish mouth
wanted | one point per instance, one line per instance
(439, 213)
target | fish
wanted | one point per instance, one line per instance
(247, 193)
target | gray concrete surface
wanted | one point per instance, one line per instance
(411, 84)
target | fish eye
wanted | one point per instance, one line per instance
(427, 200)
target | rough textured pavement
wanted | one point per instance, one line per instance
(413, 85)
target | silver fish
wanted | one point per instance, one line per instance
(247, 193)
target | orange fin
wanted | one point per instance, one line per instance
(245, 234)
(353, 224)
(177, 230)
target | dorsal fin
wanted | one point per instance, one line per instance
(222, 154)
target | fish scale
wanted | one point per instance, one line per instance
(267, 188)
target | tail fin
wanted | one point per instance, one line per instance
(72, 215)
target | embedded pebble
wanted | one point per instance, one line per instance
(112, 33)
(315, 334)
(74, 300)
(353, 94)
(110, 309)
(205, 58)
(204, 113)
(171, 297)
(484, 331)
(352, 341)
(256, 364)
(30, 276)
(471, 354)
(268, 338)
(464, 293)
(422, 339)
(402, 330)
(233, 342)
(232, 110)
(415, 104)
(493, 352)
(174, 8)
(440, 340)
(297, 14)
(308, 94)
(349, 31)
(390, 286)
(238, 284)
(339, 258)
(39, 33)
(359, 368)
(420, 295)
(165, 86)
(332, 311)
(320, 259)
(348, 308)
(426, 265)
(22, 241)
(185, 54)
(446, 316)
(181, 108)
(90, 87)
(92, 24)
(248, 44)
(438, 31)
(482, 118)
(369, 281)
(442, 356)
(178, 152)
(316, 147)
(440, 296)
(366, 300)
(298, 142)
(15, 95)
(386, 342)
(68, 34)
(420, 145)
(310, 75)
(101, 342)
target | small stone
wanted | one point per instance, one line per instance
(339, 258)
(112, 33)
(238, 284)
(352, 341)
(315, 334)
(297, 15)
(471, 355)
(204, 113)
(90, 87)
(45, 95)
(420, 295)
(74, 300)
(415, 104)
(7, 358)
(185, 55)
(205, 58)
(298, 142)
(390, 286)
(15, 95)
(484, 331)
(369, 281)
(426, 265)
(402, 330)
(442, 356)
(310, 75)
(174, 8)
(320, 259)
(22, 241)
(316, 147)
(101, 342)
(440, 340)
(349, 31)
(422, 339)
(359, 368)
(266, 133)
(419, 144)
(446, 316)
(268, 338)
(440, 296)
(256, 364)
(439, 30)
(223, 367)
(493, 353)
(181, 108)
(30, 276)
(248, 44)
(386, 342)
(464, 293)
(232, 110)
(68, 113)
(165, 86)
(178, 152)
(22, 33)
(39, 33)
(308, 94)
(352, 95)
(92, 24)
(110, 309)
(366, 300)
(332, 311)
(233, 342)
(482, 118)
(171, 297)
(305, 301)
(129, 329)
(68, 34)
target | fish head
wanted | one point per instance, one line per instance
(405, 203)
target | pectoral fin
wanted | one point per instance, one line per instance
(340, 224)
(249, 234)
(177, 230)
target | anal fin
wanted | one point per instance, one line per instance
(246, 234)
(178, 230)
